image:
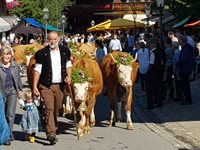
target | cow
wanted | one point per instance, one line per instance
(19, 52)
(83, 94)
(86, 92)
(119, 72)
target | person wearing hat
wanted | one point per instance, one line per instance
(153, 78)
(10, 86)
(185, 65)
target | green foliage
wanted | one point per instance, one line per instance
(33, 9)
(80, 75)
(29, 51)
(125, 59)
(180, 8)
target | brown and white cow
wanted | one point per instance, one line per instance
(119, 80)
(19, 55)
(87, 91)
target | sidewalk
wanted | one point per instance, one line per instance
(182, 122)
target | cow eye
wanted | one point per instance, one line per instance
(86, 88)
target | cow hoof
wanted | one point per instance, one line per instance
(87, 130)
(130, 127)
(92, 123)
(112, 123)
(80, 132)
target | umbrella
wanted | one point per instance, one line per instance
(123, 23)
(27, 30)
(118, 23)
(98, 26)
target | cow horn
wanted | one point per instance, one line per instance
(112, 58)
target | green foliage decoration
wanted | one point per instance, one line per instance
(124, 59)
(80, 75)
(29, 51)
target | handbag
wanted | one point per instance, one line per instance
(4, 129)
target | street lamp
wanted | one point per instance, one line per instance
(134, 19)
(148, 13)
(92, 23)
(63, 23)
(45, 17)
(160, 4)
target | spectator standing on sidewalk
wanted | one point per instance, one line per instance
(168, 68)
(100, 53)
(10, 86)
(185, 65)
(53, 68)
(142, 56)
(177, 87)
(115, 44)
(153, 78)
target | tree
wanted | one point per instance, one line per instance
(33, 9)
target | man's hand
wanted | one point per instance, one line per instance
(68, 80)
(36, 92)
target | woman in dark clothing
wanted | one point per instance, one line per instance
(10, 86)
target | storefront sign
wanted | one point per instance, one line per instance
(128, 6)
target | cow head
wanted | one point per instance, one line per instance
(80, 91)
(124, 75)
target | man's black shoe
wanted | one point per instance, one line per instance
(8, 143)
(52, 139)
(186, 103)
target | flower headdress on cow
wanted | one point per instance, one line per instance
(80, 75)
(29, 50)
(124, 59)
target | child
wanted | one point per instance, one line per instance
(30, 119)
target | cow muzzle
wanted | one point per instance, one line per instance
(126, 84)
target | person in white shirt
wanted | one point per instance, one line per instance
(142, 56)
(115, 44)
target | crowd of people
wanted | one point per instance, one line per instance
(164, 73)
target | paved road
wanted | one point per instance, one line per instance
(102, 137)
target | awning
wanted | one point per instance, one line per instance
(192, 24)
(139, 18)
(12, 20)
(168, 19)
(187, 20)
(50, 27)
(34, 23)
(4, 26)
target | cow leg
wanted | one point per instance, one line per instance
(128, 111)
(81, 123)
(92, 118)
(112, 106)
(119, 114)
(68, 108)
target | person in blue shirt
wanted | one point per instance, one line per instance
(100, 53)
